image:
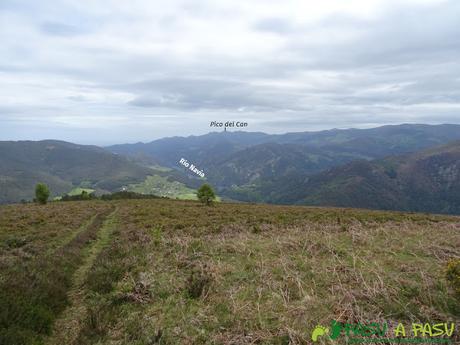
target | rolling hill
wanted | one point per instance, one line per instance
(251, 166)
(372, 168)
(62, 166)
(425, 181)
(216, 147)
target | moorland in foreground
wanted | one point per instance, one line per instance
(177, 272)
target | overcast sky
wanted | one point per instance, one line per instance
(119, 71)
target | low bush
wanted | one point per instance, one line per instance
(127, 195)
(453, 275)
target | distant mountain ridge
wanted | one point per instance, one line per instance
(402, 167)
(252, 166)
(380, 141)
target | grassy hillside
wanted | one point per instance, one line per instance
(176, 272)
(162, 186)
(63, 166)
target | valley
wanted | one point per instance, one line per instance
(364, 168)
(349, 168)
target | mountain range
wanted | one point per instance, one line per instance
(403, 167)
(236, 158)
(424, 181)
(258, 167)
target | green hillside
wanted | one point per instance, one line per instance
(425, 181)
(78, 191)
(63, 166)
(177, 272)
(258, 167)
(162, 186)
(390, 167)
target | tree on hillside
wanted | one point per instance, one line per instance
(42, 193)
(205, 194)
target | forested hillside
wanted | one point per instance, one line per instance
(62, 166)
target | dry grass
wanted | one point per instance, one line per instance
(254, 274)
(41, 248)
(177, 272)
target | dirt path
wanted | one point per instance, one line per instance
(70, 237)
(67, 327)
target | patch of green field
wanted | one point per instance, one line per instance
(192, 196)
(161, 186)
(160, 168)
(79, 190)
(189, 196)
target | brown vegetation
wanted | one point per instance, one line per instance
(175, 272)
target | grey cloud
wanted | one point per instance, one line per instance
(399, 66)
(276, 25)
(17, 5)
(404, 35)
(61, 29)
(210, 94)
(78, 98)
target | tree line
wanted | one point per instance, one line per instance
(205, 195)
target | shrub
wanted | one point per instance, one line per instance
(453, 275)
(205, 194)
(198, 282)
(127, 195)
(83, 196)
(157, 235)
(256, 229)
(15, 242)
(42, 193)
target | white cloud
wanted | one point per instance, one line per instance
(137, 70)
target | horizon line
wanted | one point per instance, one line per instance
(223, 131)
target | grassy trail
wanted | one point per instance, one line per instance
(69, 238)
(159, 271)
(67, 327)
